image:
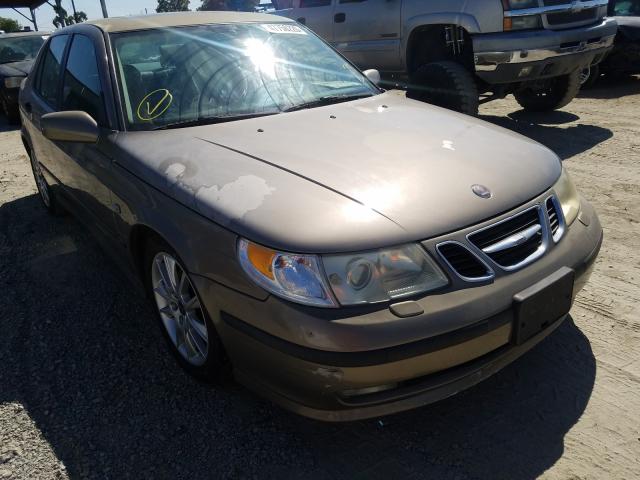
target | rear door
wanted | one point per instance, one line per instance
(367, 32)
(315, 14)
(41, 99)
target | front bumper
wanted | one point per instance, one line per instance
(312, 360)
(540, 54)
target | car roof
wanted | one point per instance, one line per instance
(25, 34)
(179, 19)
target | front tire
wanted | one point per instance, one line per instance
(445, 84)
(184, 321)
(549, 94)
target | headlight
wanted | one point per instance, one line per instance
(13, 82)
(568, 197)
(527, 22)
(382, 275)
(288, 275)
(353, 279)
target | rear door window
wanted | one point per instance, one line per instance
(48, 81)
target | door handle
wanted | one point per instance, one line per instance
(340, 17)
(302, 20)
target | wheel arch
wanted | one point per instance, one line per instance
(139, 235)
(426, 42)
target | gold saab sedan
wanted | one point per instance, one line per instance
(343, 250)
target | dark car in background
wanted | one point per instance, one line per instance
(17, 53)
(624, 58)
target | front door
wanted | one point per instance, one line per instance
(315, 14)
(85, 167)
(367, 32)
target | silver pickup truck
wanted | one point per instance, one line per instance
(452, 52)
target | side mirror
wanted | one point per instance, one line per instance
(373, 76)
(75, 126)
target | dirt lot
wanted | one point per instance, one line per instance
(87, 389)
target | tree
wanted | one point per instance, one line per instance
(62, 18)
(9, 25)
(172, 6)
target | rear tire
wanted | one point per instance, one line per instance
(445, 84)
(185, 323)
(45, 192)
(551, 94)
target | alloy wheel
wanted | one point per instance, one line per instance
(180, 309)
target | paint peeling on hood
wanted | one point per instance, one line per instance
(239, 197)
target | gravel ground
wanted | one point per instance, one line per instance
(87, 388)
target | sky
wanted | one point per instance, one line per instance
(115, 8)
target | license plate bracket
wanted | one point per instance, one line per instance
(542, 304)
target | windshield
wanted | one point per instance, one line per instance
(626, 8)
(189, 74)
(18, 49)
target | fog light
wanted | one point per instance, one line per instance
(369, 390)
(525, 72)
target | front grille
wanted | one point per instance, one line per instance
(567, 18)
(463, 262)
(554, 220)
(512, 241)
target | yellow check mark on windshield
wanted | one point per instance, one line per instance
(155, 104)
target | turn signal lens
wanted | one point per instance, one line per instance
(288, 275)
(262, 259)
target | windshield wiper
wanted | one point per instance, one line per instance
(327, 100)
(212, 120)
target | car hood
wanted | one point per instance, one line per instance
(16, 69)
(356, 175)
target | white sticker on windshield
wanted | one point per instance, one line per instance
(283, 28)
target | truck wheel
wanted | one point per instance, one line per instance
(589, 76)
(550, 94)
(446, 84)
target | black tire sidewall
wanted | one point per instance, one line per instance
(446, 84)
(560, 92)
(12, 115)
(217, 368)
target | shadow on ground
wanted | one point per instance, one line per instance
(80, 351)
(552, 130)
(5, 127)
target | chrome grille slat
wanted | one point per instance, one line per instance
(515, 241)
